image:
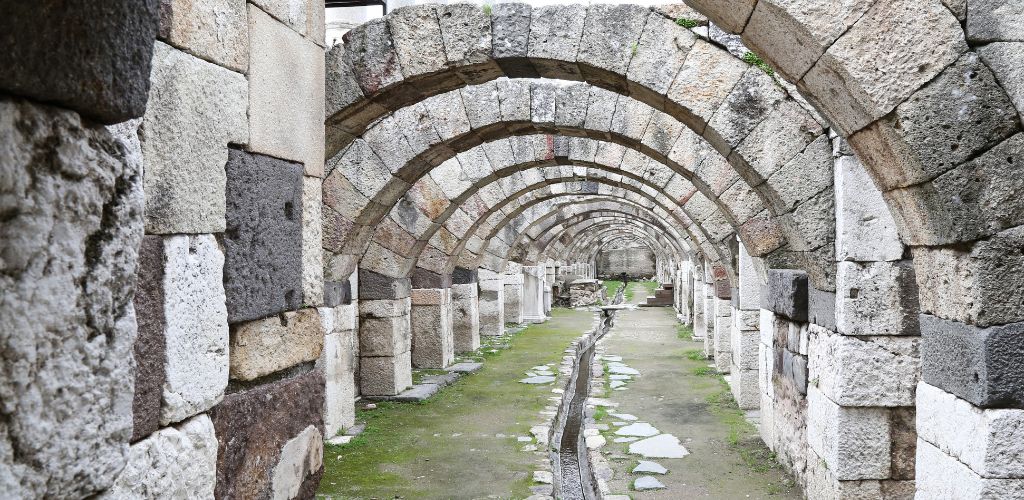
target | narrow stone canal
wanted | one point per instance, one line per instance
(471, 440)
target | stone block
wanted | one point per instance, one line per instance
(989, 442)
(463, 276)
(744, 348)
(337, 361)
(865, 229)
(150, 344)
(750, 101)
(213, 30)
(994, 21)
(432, 334)
(465, 317)
(864, 371)
(68, 246)
(262, 347)
(195, 110)
(786, 294)
(292, 13)
(876, 298)
(253, 429)
(417, 37)
(371, 54)
(660, 53)
(510, 32)
(174, 462)
(513, 302)
(942, 476)
(97, 65)
(555, 33)
(263, 272)
(744, 386)
(821, 308)
(385, 375)
(302, 458)
(610, 39)
(384, 336)
(466, 30)
(312, 242)
(282, 122)
(980, 365)
(384, 308)
(853, 442)
(1004, 59)
(376, 286)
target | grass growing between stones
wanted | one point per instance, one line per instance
(684, 332)
(462, 442)
(613, 287)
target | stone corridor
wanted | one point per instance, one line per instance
(226, 225)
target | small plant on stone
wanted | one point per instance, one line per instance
(486, 8)
(687, 23)
(752, 59)
(633, 49)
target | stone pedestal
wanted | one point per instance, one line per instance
(432, 334)
(492, 303)
(465, 317)
(533, 294)
(513, 298)
(385, 345)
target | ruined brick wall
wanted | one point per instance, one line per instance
(636, 262)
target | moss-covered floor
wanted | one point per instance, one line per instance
(462, 442)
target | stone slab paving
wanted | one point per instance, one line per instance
(670, 397)
(464, 442)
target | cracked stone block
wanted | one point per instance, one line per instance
(876, 298)
(980, 365)
(196, 363)
(174, 462)
(1004, 59)
(385, 375)
(66, 54)
(555, 33)
(293, 13)
(282, 122)
(994, 20)
(465, 316)
(433, 344)
(853, 442)
(610, 40)
(195, 109)
(265, 346)
(371, 54)
(67, 270)
(376, 286)
(416, 33)
(253, 428)
(864, 371)
(263, 272)
(989, 442)
(214, 30)
(786, 294)
(302, 458)
(942, 476)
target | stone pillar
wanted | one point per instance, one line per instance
(465, 311)
(338, 363)
(745, 334)
(492, 303)
(549, 280)
(385, 334)
(708, 289)
(700, 329)
(432, 334)
(723, 334)
(533, 294)
(513, 297)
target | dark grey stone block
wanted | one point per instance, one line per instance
(422, 278)
(821, 308)
(91, 56)
(376, 286)
(263, 240)
(980, 365)
(799, 375)
(488, 295)
(150, 341)
(463, 276)
(787, 294)
(337, 293)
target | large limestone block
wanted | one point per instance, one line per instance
(942, 476)
(660, 53)
(371, 54)
(302, 458)
(555, 33)
(513, 302)
(337, 360)
(744, 386)
(990, 442)
(1006, 60)
(864, 371)
(175, 462)
(263, 272)
(196, 361)
(432, 334)
(385, 375)
(286, 93)
(610, 40)
(416, 33)
(265, 346)
(705, 81)
(213, 30)
(901, 35)
(865, 229)
(68, 244)
(385, 336)
(293, 13)
(312, 242)
(853, 442)
(384, 308)
(253, 429)
(93, 57)
(195, 109)
(876, 298)
(465, 317)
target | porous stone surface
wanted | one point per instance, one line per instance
(942, 476)
(980, 365)
(150, 344)
(195, 109)
(282, 122)
(385, 375)
(196, 363)
(385, 336)
(302, 458)
(433, 344)
(465, 317)
(265, 346)
(254, 426)
(853, 442)
(100, 68)
(876, 298)
(175, 462)
(786, 294)
(263, 244)
(338, 362)
(864, 371)
(865, 229)
(214, 30)
(994, 20)
(67, 267)
(312, 242)
(1004, 58)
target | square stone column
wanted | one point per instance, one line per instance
(492, 303)
(432, 334)
(513, 297)
(338, 363)
(465, 317)
(700, 329)
(533, 294)
(385, 346)
(709, 318)
(549, 280)
(723, 334)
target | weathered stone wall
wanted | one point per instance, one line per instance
(636, 262)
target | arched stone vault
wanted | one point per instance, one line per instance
(578, 241)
